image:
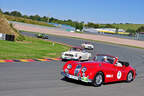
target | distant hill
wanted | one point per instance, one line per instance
(7, 28)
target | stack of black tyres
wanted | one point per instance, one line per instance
(10, 37)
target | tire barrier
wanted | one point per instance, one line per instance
(10, 37)
(7, 37)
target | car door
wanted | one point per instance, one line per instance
(119, 73)
(109, 71)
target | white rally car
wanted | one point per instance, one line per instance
(87, 45)
(76, 53)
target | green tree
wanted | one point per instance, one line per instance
(51, 19)
(16, 13)
(1, 11)
(25, 16)
(35, 17)
(44, 18)
(140, 29)
(131, 31)
(79, 26)
(7, 13)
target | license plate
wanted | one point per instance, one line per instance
(73, 77)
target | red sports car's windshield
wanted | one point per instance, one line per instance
(99, 58)
(104, 58)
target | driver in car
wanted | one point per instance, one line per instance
(105, 59)
(118, 64)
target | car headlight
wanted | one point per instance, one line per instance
(84, 69)
(69, 66)
(66, 70)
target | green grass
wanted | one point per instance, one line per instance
(127, 26)
(30, 48)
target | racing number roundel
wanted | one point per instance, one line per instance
(119, 74)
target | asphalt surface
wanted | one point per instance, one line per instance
(44, 79)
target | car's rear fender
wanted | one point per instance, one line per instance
(127, 70)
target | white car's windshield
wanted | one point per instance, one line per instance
(87, 43)
(75, 49)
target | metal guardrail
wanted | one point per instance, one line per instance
(136, 37)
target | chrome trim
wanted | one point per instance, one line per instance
(79, 78)
(78, 67)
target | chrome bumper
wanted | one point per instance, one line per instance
(71, 58)
(83, 79)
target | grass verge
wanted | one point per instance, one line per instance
(30, 48)
(28, 21)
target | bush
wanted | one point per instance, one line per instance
(140, 29)
(29, 21)
(131, 31)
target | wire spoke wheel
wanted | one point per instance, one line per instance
(98, 80)
(130, 77)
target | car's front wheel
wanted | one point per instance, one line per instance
(130, 76)
(98, 80)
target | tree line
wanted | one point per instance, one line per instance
(75, 24)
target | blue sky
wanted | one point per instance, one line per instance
(97, 11)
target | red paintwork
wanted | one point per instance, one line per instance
(108, 69)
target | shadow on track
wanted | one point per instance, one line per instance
(89, 84)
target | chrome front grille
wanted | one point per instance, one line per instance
(71, 55)
(78, 67)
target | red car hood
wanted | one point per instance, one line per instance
(87, 64)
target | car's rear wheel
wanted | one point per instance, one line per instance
(98, 79)
(130, 76)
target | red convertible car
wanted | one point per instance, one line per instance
(103, 69)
